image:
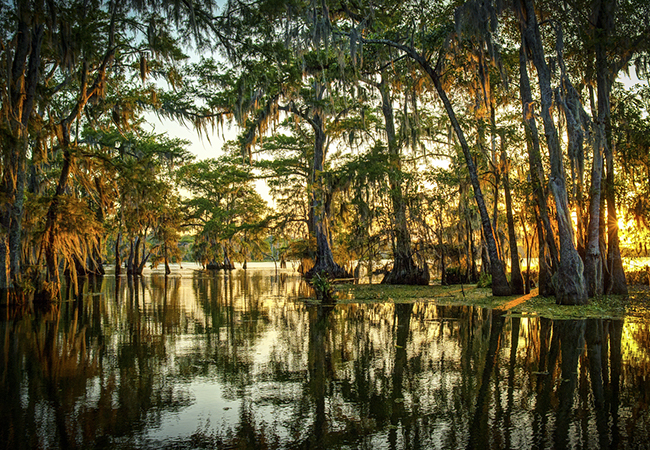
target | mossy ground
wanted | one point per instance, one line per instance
(636, 304)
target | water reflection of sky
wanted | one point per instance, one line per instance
(205, 360)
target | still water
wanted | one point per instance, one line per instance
(207, 360)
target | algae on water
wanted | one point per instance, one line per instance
(636, 304)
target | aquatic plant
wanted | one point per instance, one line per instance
(322, 284)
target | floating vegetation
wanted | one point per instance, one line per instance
(636, 304)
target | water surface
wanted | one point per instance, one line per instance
(207, 360)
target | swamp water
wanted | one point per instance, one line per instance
(244, 360)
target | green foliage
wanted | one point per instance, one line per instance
(229, 216)
(322, 284)
(306, 83)
(484, 281)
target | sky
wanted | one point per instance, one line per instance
(204, 146)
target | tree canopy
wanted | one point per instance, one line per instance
(460, 141)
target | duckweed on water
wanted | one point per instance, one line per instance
(376, 293)
(612, 307)
(637, 304)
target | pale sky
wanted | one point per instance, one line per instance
(201, 146)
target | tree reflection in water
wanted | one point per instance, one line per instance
(242, 360)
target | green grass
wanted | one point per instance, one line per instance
(636, 305)
(612, 307)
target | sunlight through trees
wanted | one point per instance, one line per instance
(471, 141)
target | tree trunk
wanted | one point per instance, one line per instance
(472, 273)
(95, 263)
(129, 262)
(593, 260)
(485, 258)
(616, 283)
(500, 286)
(528, 239)
(63, 128)
(574, 114)
(570, 284)
(118, 260)
(139, 266)
(404, 269)
(543, 275)
(495, 214)
(4, 263)
(441, 245)
(516, 280)
(52, 216)
(544, 231)
(136, 257)
(320, 209)
(22, 88)
(615, 279)
(227, 263)
(167, 269)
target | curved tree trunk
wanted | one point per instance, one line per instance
(404, 270)
(145, 254)
(500, 284)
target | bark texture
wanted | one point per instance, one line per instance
(23, 78)
(320, 208)
(569, 283)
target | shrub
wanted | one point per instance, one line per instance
(484, 281)
(323, 286)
